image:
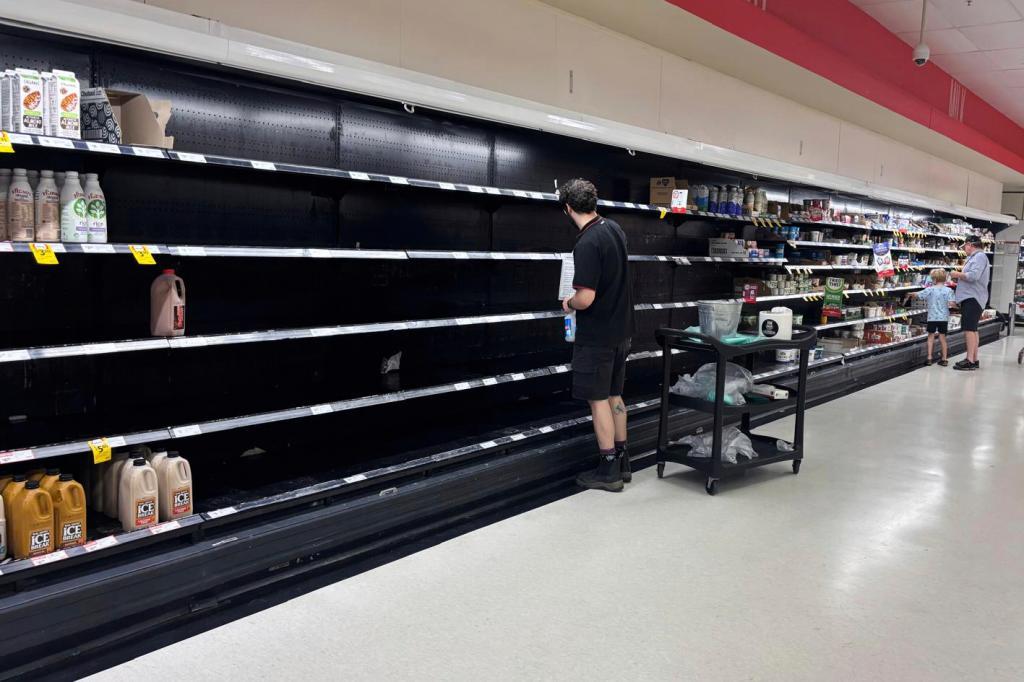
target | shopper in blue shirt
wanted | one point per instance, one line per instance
(972, 297)
(939, 296)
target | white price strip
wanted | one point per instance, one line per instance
(16, 456)
(519, 193)
(398, 180)
(7, 247)
(358, 176)
(355, 479)
(446, 185)
(164, 527)
(518, 436)
(57, 248)
(186, 431)
(56, 142)
(101, 543)
(49, 558)
(14, 355)
(319, 253)
(97, 248)
(487, 445)
(476, 189)
(323, 331)
(191, 251)
(116, 442)
(188, 342)
(518, 376)
(490, 381)
(18, 138)
(190, 157)
(545, 429)
(561, 369)
(460, 255)
(103, 147)
(263, 165)
(100, 348)
(492, 190)
(326, 408)
(462, 386)
(148, 152)
(224, 511)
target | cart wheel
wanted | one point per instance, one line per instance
(661, 470)
(796, 466)
(711, 486)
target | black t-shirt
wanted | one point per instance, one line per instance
(602, 264)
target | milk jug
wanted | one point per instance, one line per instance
(5, 186)
(175, 482)
(47, 209)
(68, 512)
(32, 510)
(138, 495)
(21, 210)
(112, 483)
(73, 224)
(155, 459)
(49, 479)
(167, 305)
(95, 209)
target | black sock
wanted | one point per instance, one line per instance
(607, 455)
(620, 445)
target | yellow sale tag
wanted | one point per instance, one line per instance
(100, 450)
(44, 254)
(663, 213)
(142, 255)
(5, 144)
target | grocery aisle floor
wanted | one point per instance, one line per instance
(897, 553)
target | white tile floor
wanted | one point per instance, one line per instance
(896, 554)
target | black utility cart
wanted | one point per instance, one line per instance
(804, 339)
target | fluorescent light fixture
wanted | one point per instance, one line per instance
(571, 122)
(288, 58)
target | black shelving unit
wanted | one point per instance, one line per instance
(766, 447)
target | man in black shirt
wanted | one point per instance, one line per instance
(604, 327)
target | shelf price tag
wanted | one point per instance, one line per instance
(44, 254)
(100, 450)
(663, 213)
(56, 142)
(5, 144)
(142, 254)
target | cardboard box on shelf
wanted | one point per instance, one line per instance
(661, 190)
(840, 344)
(120, 117)
(727, 248)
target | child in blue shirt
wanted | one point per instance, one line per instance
(938, 296)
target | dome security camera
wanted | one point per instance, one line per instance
(921, 54)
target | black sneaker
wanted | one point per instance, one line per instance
(943, 363)
(607, 476)
(965, 366)
(624, 467)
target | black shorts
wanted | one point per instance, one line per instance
(598, 372)
(936, 326)
(970, 314)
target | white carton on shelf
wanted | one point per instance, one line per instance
(27, 102)
(49, 85)
(64, 105)
(6, 83)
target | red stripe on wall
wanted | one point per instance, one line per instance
(836, 40)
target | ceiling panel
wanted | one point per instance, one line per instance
(979, 42)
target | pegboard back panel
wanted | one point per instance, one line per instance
(231, 116)
(426, 145)
(45, 54)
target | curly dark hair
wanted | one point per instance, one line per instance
(580, 194)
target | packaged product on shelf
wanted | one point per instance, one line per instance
(138, 495)
(69, 515)
(167, 305)
(48, 87)
(3, 533)
(20, 208)
(64, 105)
(713, 192)
(6, 83)
(95, 209)
(776, 323)
(700, 197)
(32, 510)
(5, 186)
(74, 226)
(748, 201)
(33, 180)
(119, 117)
(174, 476)
(112, 483)
(27, 102)
(679, 200)
(49, 479)
(47, 208)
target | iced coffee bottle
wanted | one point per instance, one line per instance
(69, 513)
(32, 510)
(167, 305)
(138, 496)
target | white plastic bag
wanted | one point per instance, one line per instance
(734, 444)
(701, 384)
